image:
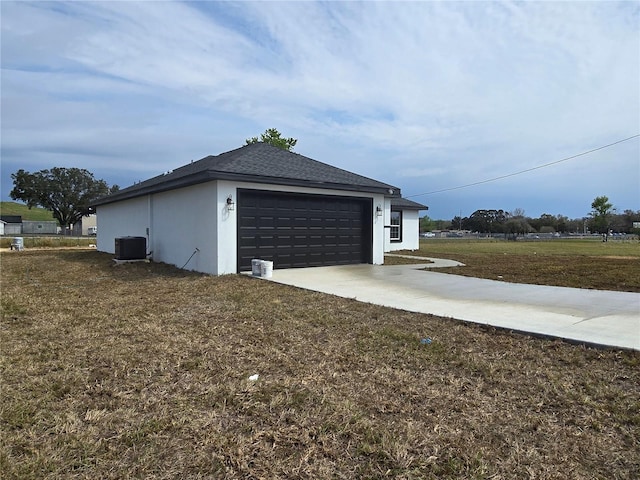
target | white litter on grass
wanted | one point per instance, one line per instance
(255, 377)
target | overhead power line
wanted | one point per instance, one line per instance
(524, 171)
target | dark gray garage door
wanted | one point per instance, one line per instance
(295, 230)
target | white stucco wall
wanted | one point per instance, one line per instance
(178, 222)
(410, 232)
(183, 227)
(122, 219)
(227, 225)
(378, 230)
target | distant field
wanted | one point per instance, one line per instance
(614, 265)
(35, 214)
(589, 247)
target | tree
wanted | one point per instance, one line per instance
(457, 223)
(601, 210)
(627, 219)
(274, 137)
(487, 221)
(67, 192)
(426, 224)
(561, 223)
(516, 224)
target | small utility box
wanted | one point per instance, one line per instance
(17, 244)
(131, 248)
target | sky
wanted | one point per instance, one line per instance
(425, 96)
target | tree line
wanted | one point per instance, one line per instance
(603, 219)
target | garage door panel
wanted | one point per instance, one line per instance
(296, 230)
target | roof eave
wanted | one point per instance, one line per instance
(399, 207)
(170, 184)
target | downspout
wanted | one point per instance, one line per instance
(149, 228)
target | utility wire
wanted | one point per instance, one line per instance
(524, 171)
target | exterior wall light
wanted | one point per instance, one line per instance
(230, 204)
(378, 211)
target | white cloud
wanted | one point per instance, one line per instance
(428, 172)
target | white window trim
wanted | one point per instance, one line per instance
(395, 227)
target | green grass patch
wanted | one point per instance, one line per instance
(35, 214)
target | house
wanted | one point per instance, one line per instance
(15, 225)
(32, 227)
(86, 226)
(12, 224)
(89, 225)
(216, 214)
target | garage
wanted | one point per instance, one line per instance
(303, 230)
(216, 214)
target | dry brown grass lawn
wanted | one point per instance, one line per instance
(614, 265)
(141, 371)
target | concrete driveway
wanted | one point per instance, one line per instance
(589, 316)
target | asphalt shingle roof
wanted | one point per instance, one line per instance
(261, 163)
(405, 204)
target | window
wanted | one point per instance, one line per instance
(396, 226)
